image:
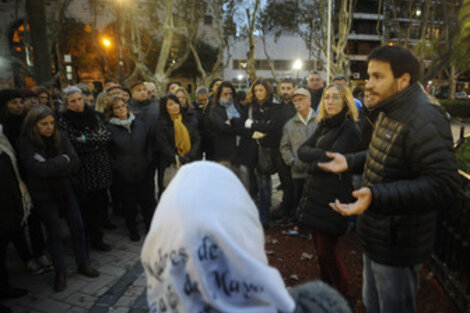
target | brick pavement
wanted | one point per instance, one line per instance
(119, 288)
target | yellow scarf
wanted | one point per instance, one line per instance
(182, 139)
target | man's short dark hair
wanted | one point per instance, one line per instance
(171, 83)
(314, 72)
(401, 61)
(340, 77)
(288, 81)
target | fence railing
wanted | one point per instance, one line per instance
(450, 262)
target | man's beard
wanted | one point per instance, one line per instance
(286, 97)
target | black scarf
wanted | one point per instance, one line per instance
(329, 123)
(82, 120)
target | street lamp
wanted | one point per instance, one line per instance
(106, 42)
(296, 67)
(418, 13)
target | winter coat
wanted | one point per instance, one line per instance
(41, 176)
(367, 119)
(165, 138)
(11, 213)
(129, 152)
(294, 134)
(95, 162)
(269, 118)
(336, 134)
(315, 98)
(16, 200)
(248, 146)
(226, 137)
(206, 133)
(147, 111)
(411, 170)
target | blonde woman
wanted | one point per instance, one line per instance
(337, 132)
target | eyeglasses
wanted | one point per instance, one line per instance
(333, 97)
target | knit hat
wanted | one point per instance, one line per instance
(7, 95)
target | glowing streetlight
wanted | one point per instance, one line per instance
(418, 13)
(106, 42)
(240, 77)
(297, 65)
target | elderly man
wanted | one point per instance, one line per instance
(295, 132)
(409, 174)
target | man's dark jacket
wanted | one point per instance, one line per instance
(411, 169)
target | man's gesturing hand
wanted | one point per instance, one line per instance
(337, 165)
(364, 198)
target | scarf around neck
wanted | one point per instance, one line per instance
(205, 250)
(82, 120)
(127, 124)
(230, 109)
(5, 147)
(182, 139)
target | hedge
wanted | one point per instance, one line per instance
(456, 108)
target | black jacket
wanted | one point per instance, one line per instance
(41, 176)
(165, 137)
(147, 111)
(336, 134)
(130, 152)
(206, 133)
(225, 136)
(269, 118)
(95, 162)
(367, 119)
(315, 97)
(411, 170)
(11, 213)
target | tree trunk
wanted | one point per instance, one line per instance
(452, 82)
(250, 56)
(36, 11)
(270, 61)
(168, 29)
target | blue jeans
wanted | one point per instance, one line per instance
(264, 198)
(389, 289)
(48, 211)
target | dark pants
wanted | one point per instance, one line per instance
(298, 187)
(133, 194)
(18, 237)
(264, 197)
(332, 269)
(92, 205)
(287, 206)
(50, 212)
(5, 238)
(36, 236)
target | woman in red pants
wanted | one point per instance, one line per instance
(336, 132)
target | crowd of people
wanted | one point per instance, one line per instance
(71, 155)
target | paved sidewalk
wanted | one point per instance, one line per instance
(120, 287)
